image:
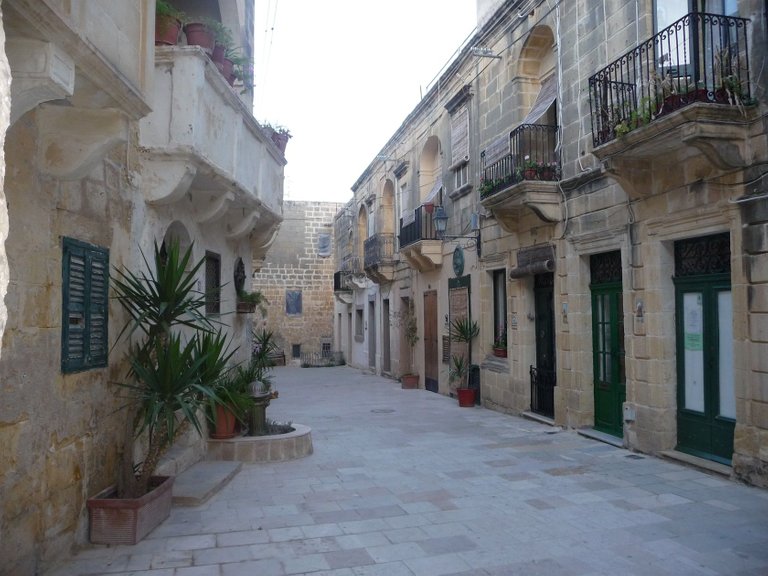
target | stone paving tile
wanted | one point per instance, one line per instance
(405, 483)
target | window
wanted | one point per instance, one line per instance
(85, 284)
(212, 283)
(461, 176)
(326, 349)
(359, 323)
(499, 306)
(296, 350)
(293, 302)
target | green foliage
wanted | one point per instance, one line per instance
(164, 8)
(458, 369)
(221, 34)
(169, 380)
(463, 329)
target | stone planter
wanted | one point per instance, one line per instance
(115, 520)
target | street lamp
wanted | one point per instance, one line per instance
(440, 220)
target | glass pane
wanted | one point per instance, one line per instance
(693, 344)
(725, 345)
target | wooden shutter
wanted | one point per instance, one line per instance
(460, 135)
(85, 285)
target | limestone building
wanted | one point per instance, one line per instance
(296, 277)
(113, 144)
(602, 168)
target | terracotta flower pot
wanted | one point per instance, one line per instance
(466, 397)
(225, 423)
(167, 30)
(199, 35)
(529, 173)
(500, 352)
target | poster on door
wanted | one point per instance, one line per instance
(693, 344)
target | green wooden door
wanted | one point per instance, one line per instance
(609, 379)
(706, 404)
(608, 358)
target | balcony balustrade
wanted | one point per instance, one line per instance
(700, 58)
(532, 157)
(525, 178)
(379, 257)
(419, 243)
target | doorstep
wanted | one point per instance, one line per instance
(538, 418)
(200, 481)
(601, 437)
(700, 463)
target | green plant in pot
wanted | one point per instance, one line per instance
(463, 330)
(168, 21)
(500, 343)
(259, 374)
(176, 358)
(405, 319)
(248, 302)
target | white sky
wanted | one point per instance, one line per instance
(342, 75)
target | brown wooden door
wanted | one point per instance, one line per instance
(430, 341)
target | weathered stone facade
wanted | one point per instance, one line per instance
(93, 159)
(623, 237)
(300, 261)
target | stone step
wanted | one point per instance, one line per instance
(200, 481)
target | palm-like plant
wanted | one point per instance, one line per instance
(170, 378)
(462, 329)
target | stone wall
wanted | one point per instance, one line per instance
(294, 264)
(5, 111)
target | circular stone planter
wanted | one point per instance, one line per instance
(274, 448)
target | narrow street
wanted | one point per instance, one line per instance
(404, 482)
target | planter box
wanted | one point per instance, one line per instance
(128, 520)
(409, 381)
(500, 352)
(246, 307)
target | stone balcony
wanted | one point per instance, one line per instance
(201, 146)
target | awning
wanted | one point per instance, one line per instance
(432, 196)
(547, 95)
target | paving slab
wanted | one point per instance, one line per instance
(406, 483)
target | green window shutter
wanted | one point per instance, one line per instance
(85, 286)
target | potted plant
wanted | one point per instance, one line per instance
(247, 302)
(167, 23)
(500, 344)
(279, 135)
(222, 40)
(548, 171)
(530, 169)
(171, 379)
(406, 319)
(464, 330)
(199, 34)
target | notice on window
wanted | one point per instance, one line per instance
(693, 326)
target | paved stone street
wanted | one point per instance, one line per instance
(404, 482)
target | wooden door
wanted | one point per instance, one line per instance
(430, 341)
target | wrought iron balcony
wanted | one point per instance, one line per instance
(419, 243)
(379, 250)
(531, 157)
(352, 265)
(700, 58)
(420, 227)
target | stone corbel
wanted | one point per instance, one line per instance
(217, 208)
(166, 180)
(40, 72)
(73, 140)
(244, 227)
(721, 144)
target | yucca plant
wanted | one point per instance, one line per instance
(171, 378)
(462, 329)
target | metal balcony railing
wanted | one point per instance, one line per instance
(700, 58)
(379, 249)
(341, 281)
(420, 228)
(532, 157)
(352, 265)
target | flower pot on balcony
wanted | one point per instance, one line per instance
(529, 174)
(167, 30)
(281, 140)
(245, 307)
(198, 34)
(547, 174)
(114, 520)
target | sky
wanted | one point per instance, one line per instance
(342, 75)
